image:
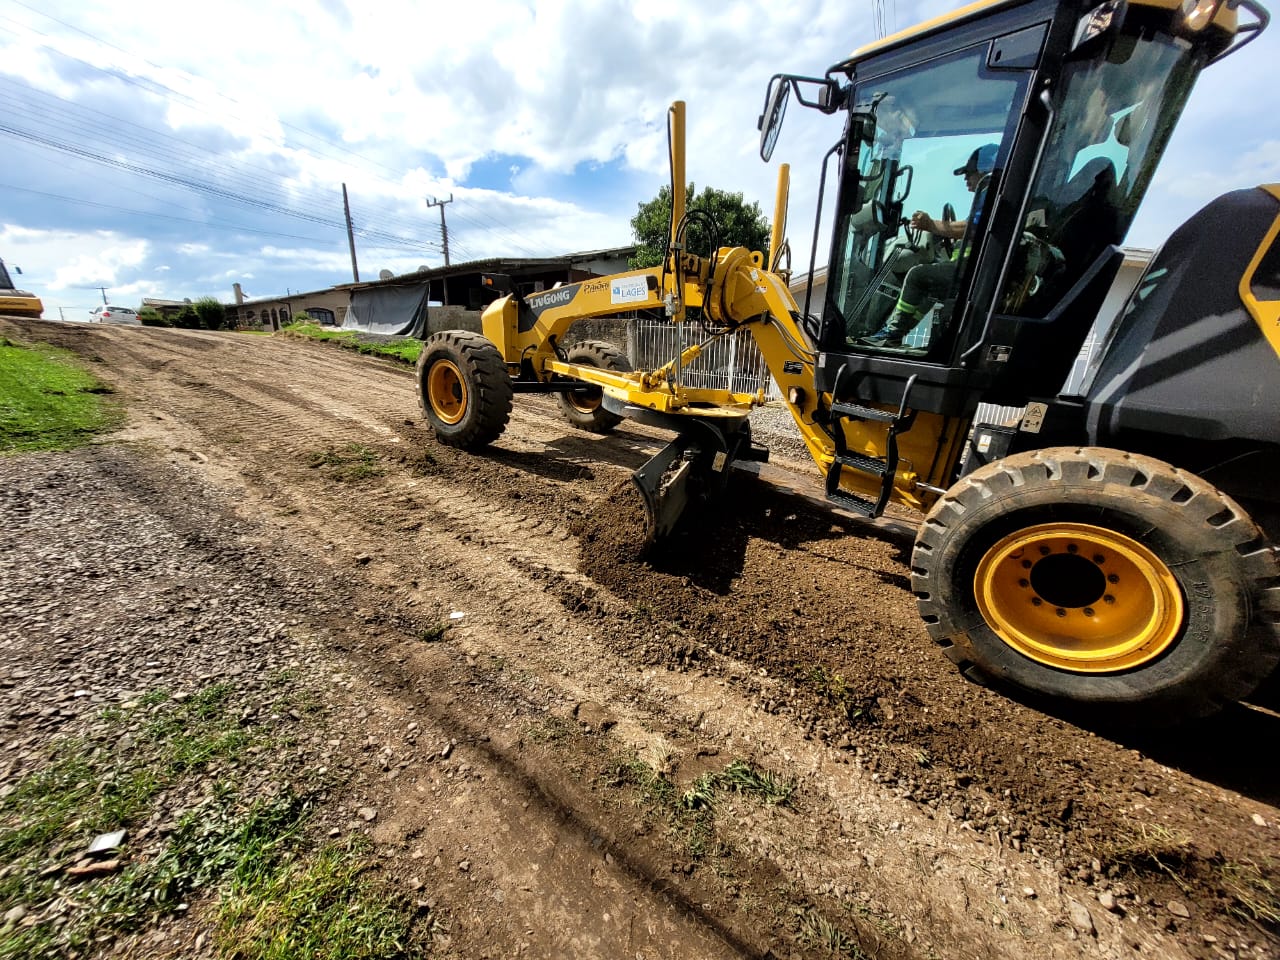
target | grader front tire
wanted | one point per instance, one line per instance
(1102, 578)
(585, 410)
(464, 389)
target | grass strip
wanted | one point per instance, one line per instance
(48, 401)
(402, 351)
(271, 893)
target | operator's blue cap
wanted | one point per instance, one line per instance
(982, 160)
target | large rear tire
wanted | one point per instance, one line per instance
(464, 389)
(585, 410)
(1103, 578)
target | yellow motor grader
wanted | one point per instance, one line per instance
(1116, 546)
(17, 303)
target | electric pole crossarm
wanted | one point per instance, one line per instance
(444, 227)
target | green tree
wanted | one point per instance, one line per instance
(212, 314)
(738, 224)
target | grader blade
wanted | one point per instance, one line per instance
(664, 483)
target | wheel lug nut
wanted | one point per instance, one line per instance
(1108, 599)
(1113, 578)
(1088, 611)
(1024, 583)
(1026, 564)
(1099, 559)
(1060, 612)
(1044, 551)
(1072, 548)
(1036, 601)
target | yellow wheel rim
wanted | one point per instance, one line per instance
(1079, 597)
(585, 402)
(446, 391)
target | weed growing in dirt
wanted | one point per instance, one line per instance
(815, 930)
(549, 730)
(1254, 894)
(831, 686)
(433, 633)
(47, 402)
(348, 464)
(1150, 848)
(768, 787)
(690, 815)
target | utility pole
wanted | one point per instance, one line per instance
(444, 227)
(351, 237)
(444, 237)
(104, 294)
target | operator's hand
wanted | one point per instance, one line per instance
(922, 221)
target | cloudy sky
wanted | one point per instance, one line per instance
(169, 150)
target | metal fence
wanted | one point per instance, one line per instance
(731, 361)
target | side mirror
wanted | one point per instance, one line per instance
(775, 108)
(499, 283)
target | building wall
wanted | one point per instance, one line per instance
(274, 314)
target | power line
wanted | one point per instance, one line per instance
(184, 153)
(200, 186)
(212, 224)
(509, 236)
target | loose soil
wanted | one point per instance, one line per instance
(500, 602)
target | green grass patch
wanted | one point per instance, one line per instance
(434, 632)
(690, 815)
(48, 401)
(403, 351)
(348, 464)
(272, 894)
(330, 906)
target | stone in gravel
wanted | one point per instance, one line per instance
(368, 814)
(106, 842)
(1178, 909)
(1081, 918)
(1029, 892)
(1107, 900)
(464, 865)
(14, 914)
(1259, 820)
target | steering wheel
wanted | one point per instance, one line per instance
(948, 217)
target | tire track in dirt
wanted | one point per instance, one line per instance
(777, 588)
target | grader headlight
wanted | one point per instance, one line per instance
(1198, 14)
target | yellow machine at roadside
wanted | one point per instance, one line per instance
(1117, 547)
(14, 302)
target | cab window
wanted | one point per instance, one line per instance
(929, 144)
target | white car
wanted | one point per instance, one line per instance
(110, 313)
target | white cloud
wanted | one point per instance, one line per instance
(402, 100)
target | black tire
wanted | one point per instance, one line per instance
(585, 410)
(1189, 618)
(464, 389)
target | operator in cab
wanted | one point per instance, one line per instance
(929, 282)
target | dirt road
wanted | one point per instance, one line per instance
(930, 817)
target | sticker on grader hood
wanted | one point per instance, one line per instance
(540, 302)
(629, 290)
